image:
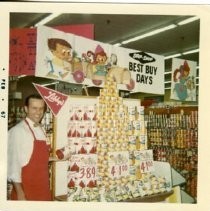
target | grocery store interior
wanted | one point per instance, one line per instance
(171, 125)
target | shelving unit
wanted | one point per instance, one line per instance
(173, 136)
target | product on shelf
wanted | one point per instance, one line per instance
(173, 136)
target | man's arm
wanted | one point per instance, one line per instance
(19, 190)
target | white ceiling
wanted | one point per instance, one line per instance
(114, 28)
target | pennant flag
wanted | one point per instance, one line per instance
(55, 100)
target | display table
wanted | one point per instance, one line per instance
(151, 198)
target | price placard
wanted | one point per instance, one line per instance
(144, 159)
(83, 170)
(87, 172)
(118, 164)
(146, 166)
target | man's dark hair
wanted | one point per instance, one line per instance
(34, 96)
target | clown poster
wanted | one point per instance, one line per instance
(183, 80)
(75, 59)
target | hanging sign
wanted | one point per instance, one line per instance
(22, 48)
(55, 100)
(75, 59)
(183, 80)
(146, 70)
(118, 164)
(144, 159)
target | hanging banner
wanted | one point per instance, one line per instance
(74, 59)
(183, 80)
(22, 58)
(55, 100)
(145, 70)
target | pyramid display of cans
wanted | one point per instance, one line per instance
(121, 134)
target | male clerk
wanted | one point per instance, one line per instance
(28, 155)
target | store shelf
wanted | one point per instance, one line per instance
(173, 136)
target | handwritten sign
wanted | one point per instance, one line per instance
(144, 159)
(85, 168)
(22, 58)
(118, 163)
(87, 172)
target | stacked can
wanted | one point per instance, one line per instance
(112, 126)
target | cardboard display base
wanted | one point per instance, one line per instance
(148, 199)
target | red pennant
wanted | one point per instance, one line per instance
(55, 100)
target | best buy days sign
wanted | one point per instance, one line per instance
(144, 70)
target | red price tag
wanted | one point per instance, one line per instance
(146, 166)
(87, 172)
(87, 166)
(118, 171)
(118, 164)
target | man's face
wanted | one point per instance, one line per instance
(35, 110)
(63, 52)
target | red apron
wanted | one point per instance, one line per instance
(35, 175)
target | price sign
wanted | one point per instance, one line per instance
(87, 172)
(146, 166)
(144, 159)
(118, 164)
(83, 170)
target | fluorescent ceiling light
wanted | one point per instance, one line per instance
(21, 76)
(47, 19)
(117, 44)
(191, 51)
(172, 56)
(52, 83)
(189, 20)
(179, 54)
(157, 31)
